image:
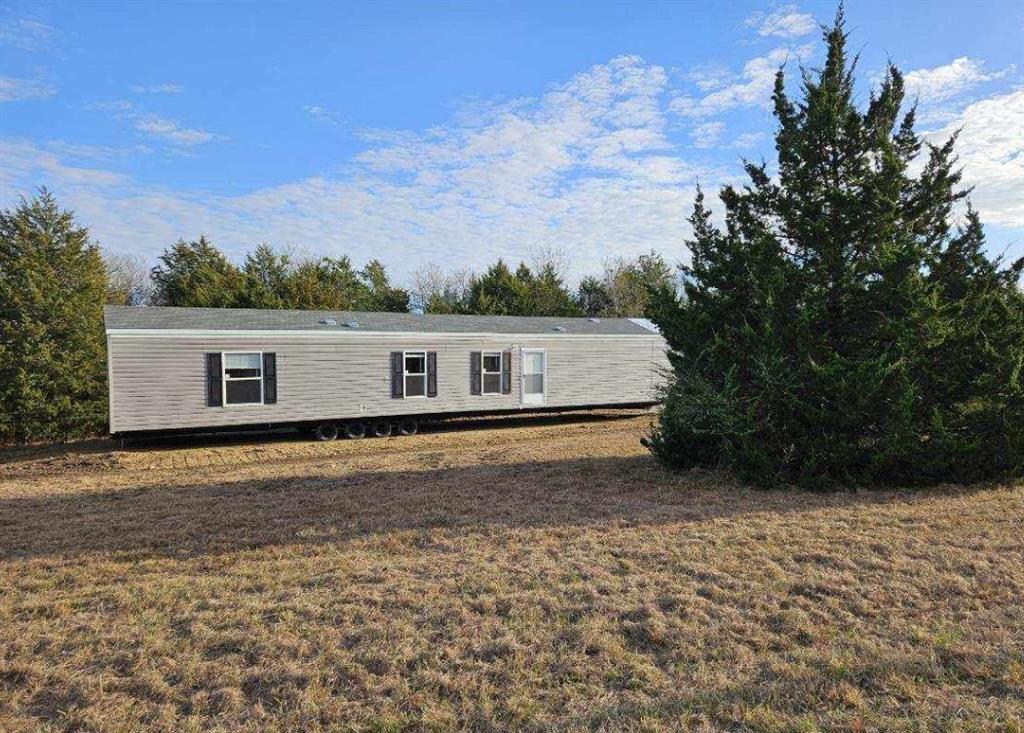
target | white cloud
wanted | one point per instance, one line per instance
(158, 89)
(16, 90)
(155, 126)
(707, 77)
(78, 151)
(991, 150)
(707, 134)
(785, 22)
(321, 114)
(586, 167)
(945, 82)
(172, 132)
(748, 140)
(24, 33)
(751, 88)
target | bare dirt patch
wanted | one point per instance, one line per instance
(531, 576)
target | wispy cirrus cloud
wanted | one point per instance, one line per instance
(750, 88)
(784, 22)
(321, 114)
(25, 34)
(17, 90)
(707, 134)
(747, 140)
(158, 89)
(172, 132)
(586, 167)
(155, 126)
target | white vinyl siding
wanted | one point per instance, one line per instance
(159, 382)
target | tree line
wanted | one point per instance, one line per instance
(197, 274)
(54, 281)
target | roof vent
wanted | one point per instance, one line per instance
(328, 322)
(559, 329)
(351, 324)
(594, 319)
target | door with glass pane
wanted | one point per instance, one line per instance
(534, 376)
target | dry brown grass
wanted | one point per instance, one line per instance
(526, 577)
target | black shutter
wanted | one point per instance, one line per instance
(431, 374)
(506, 371)
(397, 372)
(269, 378)
(475, 366)
(214, 377)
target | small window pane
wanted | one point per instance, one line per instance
(492, 383)
(492, 362)
(415, 363)
(533, 363)
(242, 365)
(415, 386)
(533, 383)
(244, 392)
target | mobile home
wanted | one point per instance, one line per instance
(358, 373)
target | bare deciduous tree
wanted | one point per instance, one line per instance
(128, 281)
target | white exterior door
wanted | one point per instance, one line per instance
(534, 376)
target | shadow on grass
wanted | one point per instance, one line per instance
(456, 424)
(14, 454)
(227, 516)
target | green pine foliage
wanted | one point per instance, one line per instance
(838, 330)
(52, 358)
(197, 274)
(500, 292)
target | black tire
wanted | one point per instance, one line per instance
(381, 429)
(326, 431)
(355, 430)
(408, 426)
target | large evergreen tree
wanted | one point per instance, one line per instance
(52, 290)
(837, 329)
(195, 274)
(499, 292)
(382, 295)
(548, 296)
(264, 282)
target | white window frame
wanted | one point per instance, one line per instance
(484, 372)
(406, 373)
(224, 379)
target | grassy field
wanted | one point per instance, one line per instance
(528, 576)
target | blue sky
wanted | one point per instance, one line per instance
(453, 133)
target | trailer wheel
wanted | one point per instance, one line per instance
(381, 429)
(325, 431)
(408, 426)
(355, 430)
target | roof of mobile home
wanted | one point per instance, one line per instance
(153, 318)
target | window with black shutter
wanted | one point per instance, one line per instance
(475, 371)
(506, 371)
(431, 374)
(269, 378)
(397, 375)
(214, 383)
